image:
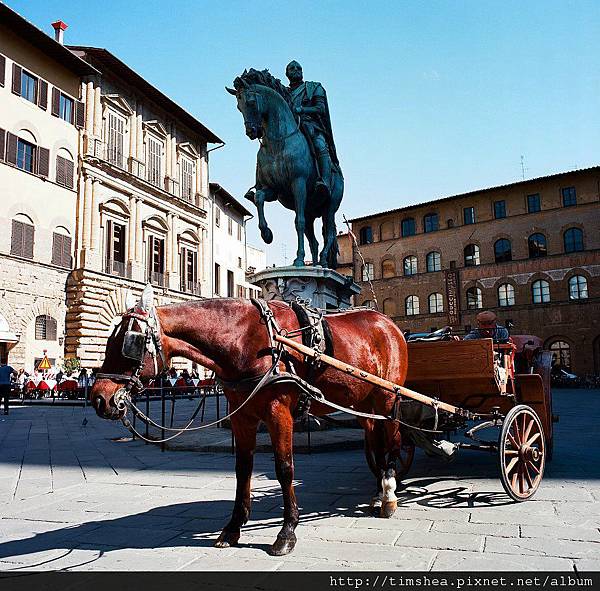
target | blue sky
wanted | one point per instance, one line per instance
(428, 99)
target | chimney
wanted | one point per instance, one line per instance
(59, 29)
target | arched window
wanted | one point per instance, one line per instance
(61, 247)
(578, 288)
(389, 307)
(561, 354)
(537, 246)
(22, 237)
(367, 272)
(369, 304)
(386, 230)
(506, 295)
(388, 268)
(430, 222)
(434, 261)
(412, 305)
(471, 255)
(408, 227)
(45, 328)
(540, 291)
(502, 250)
(573, 239)
(474, 299)
(410, 265)
(366, 235)
(65, 168)
(436, 303)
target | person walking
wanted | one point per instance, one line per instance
(6, 373)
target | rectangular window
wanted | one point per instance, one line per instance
(116, 134)
(61, 250)
(533, 203)
(25, 155)
(217, 216)
(21, 243)
(189, 265)
(367, 272)
(230, 226)
(239, 232)
(156, 260)
(187, 179)
(569, 196)
(469, 215)
(155, 149)
(115, 248)
(430, 222)
(217, 279)
(240, 262)
(29, 86)
(499, 209)
(230, 284)
(66, 108)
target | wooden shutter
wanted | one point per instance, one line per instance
(55, 102)
(16, 239)
(11, 148)
(50, 328)
(2, 70)
(43, 158)
(2, 142)
(66, 252)
(79, 114)
(57, 248)
(16, 80)
(60, 170)
(69, 173)
(43, 95)
(28, 234)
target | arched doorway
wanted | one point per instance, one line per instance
(561, 354)
(8, 339)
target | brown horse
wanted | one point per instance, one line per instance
(229, 337)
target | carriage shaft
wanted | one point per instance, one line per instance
(371, 378)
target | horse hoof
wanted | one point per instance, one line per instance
(388, 509)
(282, 546)
(267, 235)
(227, 539)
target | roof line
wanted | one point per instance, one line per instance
(217, 188)
(468, 193)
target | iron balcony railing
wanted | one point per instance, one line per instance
(190, 287)
(157, 278)
(118, 268)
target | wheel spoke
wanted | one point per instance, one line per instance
(533, 439)
(517, 432)
(513, 441)
(511, 452)
(521, 481)
(528, 430)
(513, 482)
(511, 465)
(535, 468)
(527, 476)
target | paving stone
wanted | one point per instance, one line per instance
(562, 533)
(450, 560)
(441, 541)
(490, 529)
(542, 547)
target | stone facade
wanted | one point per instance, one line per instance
(574, 322)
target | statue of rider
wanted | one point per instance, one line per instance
(310, 103)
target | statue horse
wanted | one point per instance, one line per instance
(285, 168)
(229, 337)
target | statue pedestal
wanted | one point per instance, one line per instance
(324, 288)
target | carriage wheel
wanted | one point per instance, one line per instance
(522, 450)
(404, 460)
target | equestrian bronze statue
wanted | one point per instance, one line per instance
(297, 163)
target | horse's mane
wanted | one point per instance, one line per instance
(265, 78)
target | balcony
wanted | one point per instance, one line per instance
(117, 268)
(158, 279)
(192, 287)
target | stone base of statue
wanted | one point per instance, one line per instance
(323, 288)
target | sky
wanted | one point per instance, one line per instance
(427, 99)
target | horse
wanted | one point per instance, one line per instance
(229, 337)
(285, 168)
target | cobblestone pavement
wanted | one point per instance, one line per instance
(72, 497)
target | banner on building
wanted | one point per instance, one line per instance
(452, 297)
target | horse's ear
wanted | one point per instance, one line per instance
(130, 300)
(147, 299)
(231, 91)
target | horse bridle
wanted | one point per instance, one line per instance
(135, 346)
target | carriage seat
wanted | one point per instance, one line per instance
(443, 334)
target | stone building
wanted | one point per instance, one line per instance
(530, 251)
(40, 114)
(143, 202)
(231, 254)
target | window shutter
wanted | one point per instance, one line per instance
(55, 102)
(11, 148)
(50, 328)
(43, 161)
(79, 114)
(66, 252)
(16, 240)
(2, 142)
(16, 80)
(27, 241)
(43, 95)
(2, 69)
(69, 173)
(60, 170)
(56, 248)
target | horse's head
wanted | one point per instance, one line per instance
(133, 355)
(250, 105)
